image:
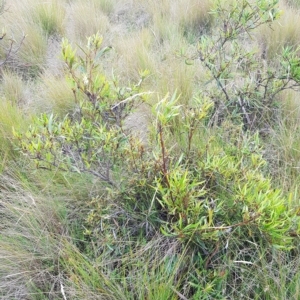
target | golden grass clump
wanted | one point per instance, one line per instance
(134, 53)
(180, 78)
(10, 116)
(31, 56)
(13, 87)
(50, 16)
(86, 19)
(171, 18)
(193, 15)
(55, 95)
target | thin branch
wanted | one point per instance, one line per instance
(182, 297)
(242, 105)
(130, 98)
(10, 50)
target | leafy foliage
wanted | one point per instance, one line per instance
(221, 191)
(241, 83)
(92, 138)
(204, 186)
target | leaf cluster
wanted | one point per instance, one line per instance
(92, 138)
(212, 195)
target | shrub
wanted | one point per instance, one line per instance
(90, 139)
(199, 196)
(242, 85)
(204, 186)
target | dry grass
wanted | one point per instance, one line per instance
(30, 237)
(172, 18)
(50, 16)
(293, 3)
(33, 52)
(84, 20)
(31, 55)
(13, 87)
(106, 6)
(134, 54)
(10, 116)
(193, 15)
(177, 76)
(54, 95)
(283, 33)
(284, 145)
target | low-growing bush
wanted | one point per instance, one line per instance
(205, 187)
(239, 81)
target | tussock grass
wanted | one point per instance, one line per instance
(293, 3)
(150, 272)
(135, 54)
(141, 50)
(10, 116)
(31, 56)
(55, 95)
(173, 18)
(106, 6)
(283, 33)
(30, 236)
(13, 87)
(283, 150)
(194, 15)
(180, 78)
(50, 16)
(85, 19)
(266, 278)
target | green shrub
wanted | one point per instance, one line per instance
(241, 84)
(91, 140)
(199, 196)
(204, 186)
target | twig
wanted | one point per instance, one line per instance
(130, 98)
(244, 223)
(241, 103)
(63, 291)
(10, 50)
(182, 297)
